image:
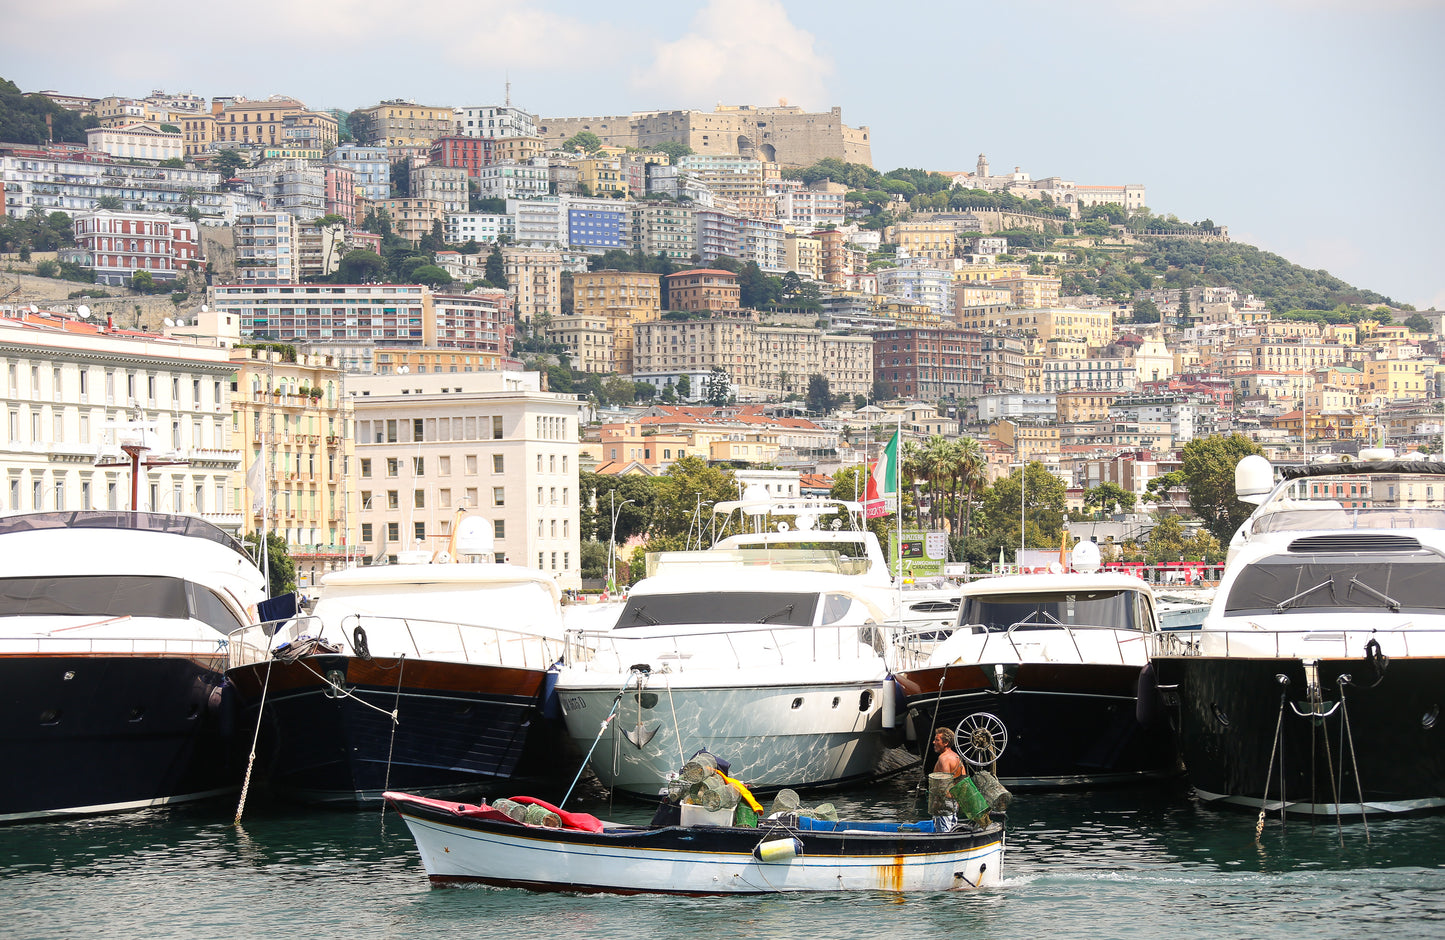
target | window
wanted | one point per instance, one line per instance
(444, 466)
(471, 465)
(366, 466)
(418, 499)
(497, 463)
(393, 499)
(419, 530)
(496, 427)
(393, 466)
(393, 531)
(365, 499)
(366, 531)
(416, 429)
(500, 526)
(418, 466)
(499, 497)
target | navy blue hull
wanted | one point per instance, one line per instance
(106, 733)
(459, 728)
(1068, 725)
(1379, 743)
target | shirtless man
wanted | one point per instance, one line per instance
(948, 761)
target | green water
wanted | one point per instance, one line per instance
(1118, 863)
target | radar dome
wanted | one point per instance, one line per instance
(1253, 478)
(1085, 557)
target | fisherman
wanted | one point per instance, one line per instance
(948, 761)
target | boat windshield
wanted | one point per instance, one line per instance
(1281, 584)
(1116, 610)
(730, 607)
(1356, 501)
(108, 596)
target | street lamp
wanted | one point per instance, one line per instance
(612, 540)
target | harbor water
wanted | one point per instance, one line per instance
(1129, 862)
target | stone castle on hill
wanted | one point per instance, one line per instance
(785, 134)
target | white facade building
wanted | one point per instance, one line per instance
(496, 121)
(65, 391)
(492, 443)
(514, 180)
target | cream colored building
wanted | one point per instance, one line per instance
(491, 443)
(1094, 326)
(291, 419)
(938, 240)
(587, 339)
(413, 218)
(534, 279)
(1389, 379)
(621, 299)
(804, 255)
(274, 122)
(402, 124)
(137, 142)
(1031, 290)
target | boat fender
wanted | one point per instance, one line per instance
(778, 850)
(358, 643)
(890, 695)
(1148, 703)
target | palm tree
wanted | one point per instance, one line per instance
(972, 466)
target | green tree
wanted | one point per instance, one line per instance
(282, 565)
(820, 398)
(497, 268)
(431, 275)
(1419, 324)
(675, 150)
(1146, 311)
(359, 266)
(1107, 496)
(227, 162)
(1208, 470)
(684, 387)
(1043, 509)
(142, 282)
(717, 388)
(585, 141)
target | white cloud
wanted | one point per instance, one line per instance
(738, 52)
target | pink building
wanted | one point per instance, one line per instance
(341, 193)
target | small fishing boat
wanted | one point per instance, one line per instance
(466, 843)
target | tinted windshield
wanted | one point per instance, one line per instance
(1118, 610)
(739, 607)
(105, 596)
(1306, 583)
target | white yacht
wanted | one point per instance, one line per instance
(775, 664)
(1314, 685)
(113, 630)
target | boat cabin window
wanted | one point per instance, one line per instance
(102, 596)
(729, 607)
(1305, 583)
(840, 607)
(1115, 610)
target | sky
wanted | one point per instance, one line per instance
(1311, 128)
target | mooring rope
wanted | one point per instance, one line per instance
(676, 729)
(395, 720)
(1349, 734)
(616, 702)
(1269, 771)
(256, 735)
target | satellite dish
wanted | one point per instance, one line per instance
(34, 309)
(83, 310)
(204, 308)
(180, 322)
(475, 536)
(169, 322)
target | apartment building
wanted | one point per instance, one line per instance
(534, 277)
(117, 245)
(703, 289)
(267, 248)
(621, 300)
(69, 392)
(371, 167)
(72, 180)
(401, 124)
(666, 228)
(1095, 326)
(277, 122)
(494, 121)
(484, 228)
(291, 417)
(513, 180)
(929, 364)
(137, 142)
(492, 444)
(762, 244)
(384, 314)
(294, 186)
(412, 218)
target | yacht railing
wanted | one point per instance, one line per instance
(726, 648)
(119, 646)
(415, 638)
(1031, 643)
(1403, 640)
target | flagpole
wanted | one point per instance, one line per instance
(899, 550)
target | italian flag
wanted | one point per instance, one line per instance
(882, 482)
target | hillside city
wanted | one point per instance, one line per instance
(344, 328)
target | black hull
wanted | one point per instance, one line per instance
(109, 733)
(1068, 725)
(459, 729)
(1380, 747)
